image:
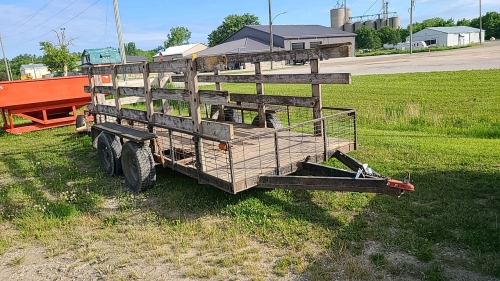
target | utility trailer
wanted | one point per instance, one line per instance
(244, 140)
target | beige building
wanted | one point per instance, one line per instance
(36, 71)
(178, 52)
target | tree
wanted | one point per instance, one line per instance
(229, 26)
(388, 35)
(4, 76)
(403, 33)
(58, 57)
(177, 36)
(130, 49)
(367, 38)
(463, 22)
(491, 24)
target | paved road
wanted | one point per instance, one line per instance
(486, 56)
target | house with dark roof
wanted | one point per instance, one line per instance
(448, 36)
(256, 38)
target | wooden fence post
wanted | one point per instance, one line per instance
(260, 91)
(316, 93)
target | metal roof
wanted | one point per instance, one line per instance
(103, 55)
(302, 31)
(177, 50)
(455, 29)
(244, 45)
(31, 66)
(136, 59)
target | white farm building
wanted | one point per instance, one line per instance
(448, 36)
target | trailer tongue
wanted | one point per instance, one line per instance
(321, 177)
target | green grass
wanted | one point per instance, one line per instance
(380, 52)
(443, 127)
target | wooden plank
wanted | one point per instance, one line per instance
(127, 100)
(318, 78)
(218, 86)
(181, 78)
(277, 100)
(168, 66)
(322, 52)
(135, 68)
(222, 131)
(260, 92)
(107, 109)
(206, 96)
(125, 132)
(316, 92)
(99, 89)
(147, 91)
(116, 90)
(134, 114)
(132, 91)
(98, 70)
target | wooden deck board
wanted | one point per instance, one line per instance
(253, 157)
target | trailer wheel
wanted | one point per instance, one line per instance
(272, 121)
(138, 166)
(81, 121)
(109, 150)
(231, 115)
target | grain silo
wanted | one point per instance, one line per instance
(337, 17)
(358, 25)
(349, 27)
(395, 22)
(370, 23)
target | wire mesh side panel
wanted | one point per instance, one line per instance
(215, 160)
(340, 131)
(279, 151)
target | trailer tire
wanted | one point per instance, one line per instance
(272, 121)
(231, 115)
(81, 123)
(138, 166)
(109, 150)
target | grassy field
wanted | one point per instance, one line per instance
(394, 51)
(443, 127)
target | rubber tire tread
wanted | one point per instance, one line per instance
(114, 145)
(145, 166)
(272, 121)
(81, 121)
(231, 115)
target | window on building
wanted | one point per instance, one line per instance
(298, 46)
(313, 45)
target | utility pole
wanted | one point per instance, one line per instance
(271, 43)
(119, 31)
(480, 24)
(412, 7)
(5, 61)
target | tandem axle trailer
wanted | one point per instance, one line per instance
(232, 141)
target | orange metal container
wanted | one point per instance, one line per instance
(47, 103)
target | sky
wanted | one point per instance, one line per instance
(91, 23)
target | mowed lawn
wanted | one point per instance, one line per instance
(443, 127)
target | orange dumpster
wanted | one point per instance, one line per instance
(44, 103)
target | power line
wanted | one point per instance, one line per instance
(43, 21)
(57, 26)
(32, 16)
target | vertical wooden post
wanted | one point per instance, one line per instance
(118, 105)
(194, 106)
(92, 86)
(220, 107)
(260, 91)
(147, 91)
(316, 92)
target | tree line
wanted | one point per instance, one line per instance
(369, 38)
(58, 57)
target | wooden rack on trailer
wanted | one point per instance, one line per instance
(247, 140)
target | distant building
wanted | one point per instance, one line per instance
(101, 56)
(256, 38)
(178, 52)
(136, 59)
(448, 36)
(35, 71)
